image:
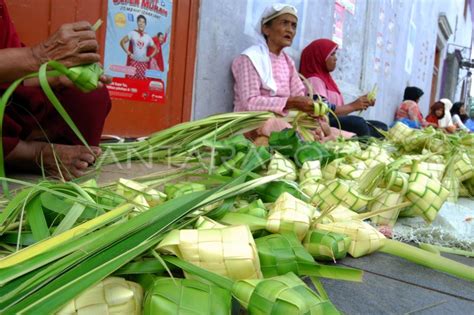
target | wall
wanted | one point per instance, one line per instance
(374, 48)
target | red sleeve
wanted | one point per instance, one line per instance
(8, 36)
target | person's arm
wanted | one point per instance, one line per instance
(319, 88)
(155, 49)
(362, 103)
(458, 123)
(124, 44)
(73, 44)
(247, 89)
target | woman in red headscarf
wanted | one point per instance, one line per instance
(33, 132)
(318, 60)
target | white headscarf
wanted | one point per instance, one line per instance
(447, 120)
(259, 54)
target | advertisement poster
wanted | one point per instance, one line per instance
(338, 27)
(137, 49)
(349, 5)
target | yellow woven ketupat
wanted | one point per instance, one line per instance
(397, 181)
(131, 189)
(351, 171)
(281, 165)
(365, 239)
(416, 141)
(341, 213)
(310, 177)
(426, 194)
(310, 170)
(341, 192)
(436, 170)
(205, 223)
(229, 251)
(377, 153)
(290, 214)
(399, 132)
(384, 200)
(463, 168)
(111, 296)
(330, 170)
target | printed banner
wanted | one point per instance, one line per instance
(137, 48)
(338, 27)
(349, 5)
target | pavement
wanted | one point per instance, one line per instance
(391, 285)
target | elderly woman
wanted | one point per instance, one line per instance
(33, 132)
(318, 60)
(265, 76)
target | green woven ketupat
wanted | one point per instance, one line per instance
(282, 295)
(180, 189)
(272, 191)
(426, 194)
(255, 208)
(281, 165)
(341, 192)
(285, 141)
(283, 253)
(326, 246)
(365, 239)
(186, 297)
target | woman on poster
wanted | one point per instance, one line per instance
(136, 45)
(157, 63)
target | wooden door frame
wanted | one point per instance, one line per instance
(190, 46)
(191, 60)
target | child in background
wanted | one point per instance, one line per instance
(458, 113)
(436, 113)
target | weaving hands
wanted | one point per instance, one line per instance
(35, 135)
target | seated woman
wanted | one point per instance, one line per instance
(318, 60)
(33, 132)
(436, 113)
(265, 76)
(409, 112)
(447, 121)
(458, 113)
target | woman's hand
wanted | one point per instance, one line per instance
(73, 44)
(362, 103)
(301, 103)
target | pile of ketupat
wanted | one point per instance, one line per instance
(245, 229)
